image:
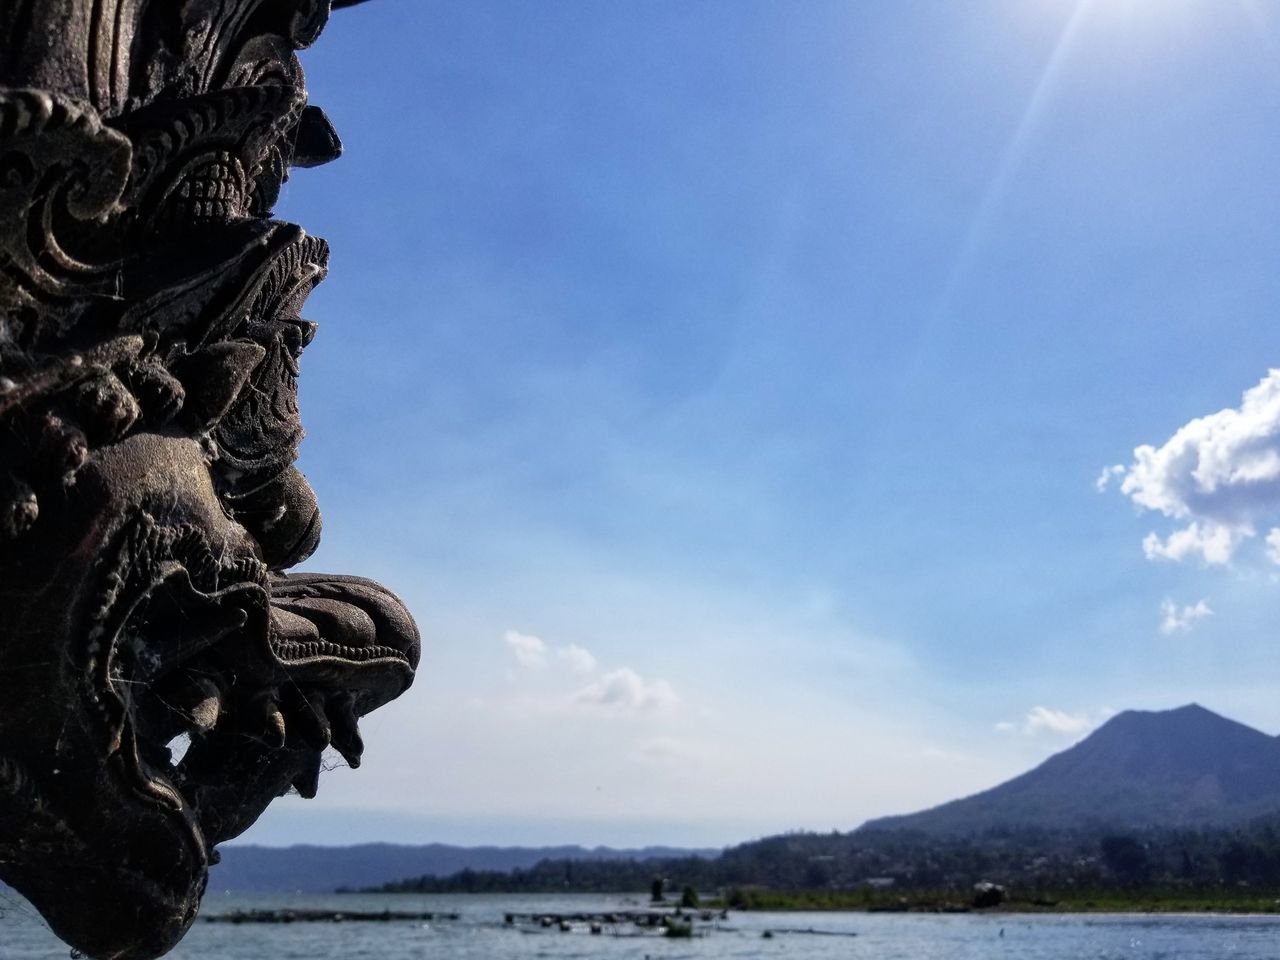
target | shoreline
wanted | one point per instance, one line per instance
(1138, 903)
(1112, 903)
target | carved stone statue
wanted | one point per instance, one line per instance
(150, 334)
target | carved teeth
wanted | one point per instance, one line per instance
(346, 730)
(263, 716)
(260, 717)
(215, 190)
(308, 781)
(275, 732)
(206, 704)
(307, 718)
(204, 716)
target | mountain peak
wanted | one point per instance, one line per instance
(1184, 766)
(1188, 711)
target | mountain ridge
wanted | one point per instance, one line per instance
(312, 868)
(1182, 767)
(1185, 767)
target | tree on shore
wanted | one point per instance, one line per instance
(655, 890)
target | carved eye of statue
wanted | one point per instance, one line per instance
(259, 435)
(295, 335)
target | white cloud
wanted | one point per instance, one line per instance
(579, 660)
(620, 691)
(529, 651)
(625, 691)
(1220, 472)
(1273, 545)
(1041, 719)
(1055, 721)
(1107, 475)
(1175, 619)
(1213, 542)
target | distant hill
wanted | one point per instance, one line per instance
(314, 869)
(1107, 813)
(1139, 770)
(1167, 768)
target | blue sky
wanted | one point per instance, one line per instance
(727, 386)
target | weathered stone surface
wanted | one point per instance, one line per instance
(150, 336)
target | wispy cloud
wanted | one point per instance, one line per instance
(578, 659)
(530, 651)
(625, 691)
(1219, 474)
(1046, 720)
(619, 691)
(1107, 475)
(942, 755)
(1043, 719)
(1176, 619)
(1273, 545)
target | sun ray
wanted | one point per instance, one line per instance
(1010, 159)
(975, 235)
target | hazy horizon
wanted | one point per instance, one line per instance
(302, 824)
(779, 417)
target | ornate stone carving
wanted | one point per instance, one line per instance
(150, 335)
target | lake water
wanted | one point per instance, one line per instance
(479, 933)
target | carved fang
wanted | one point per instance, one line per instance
(307, 783)
(346, 729)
